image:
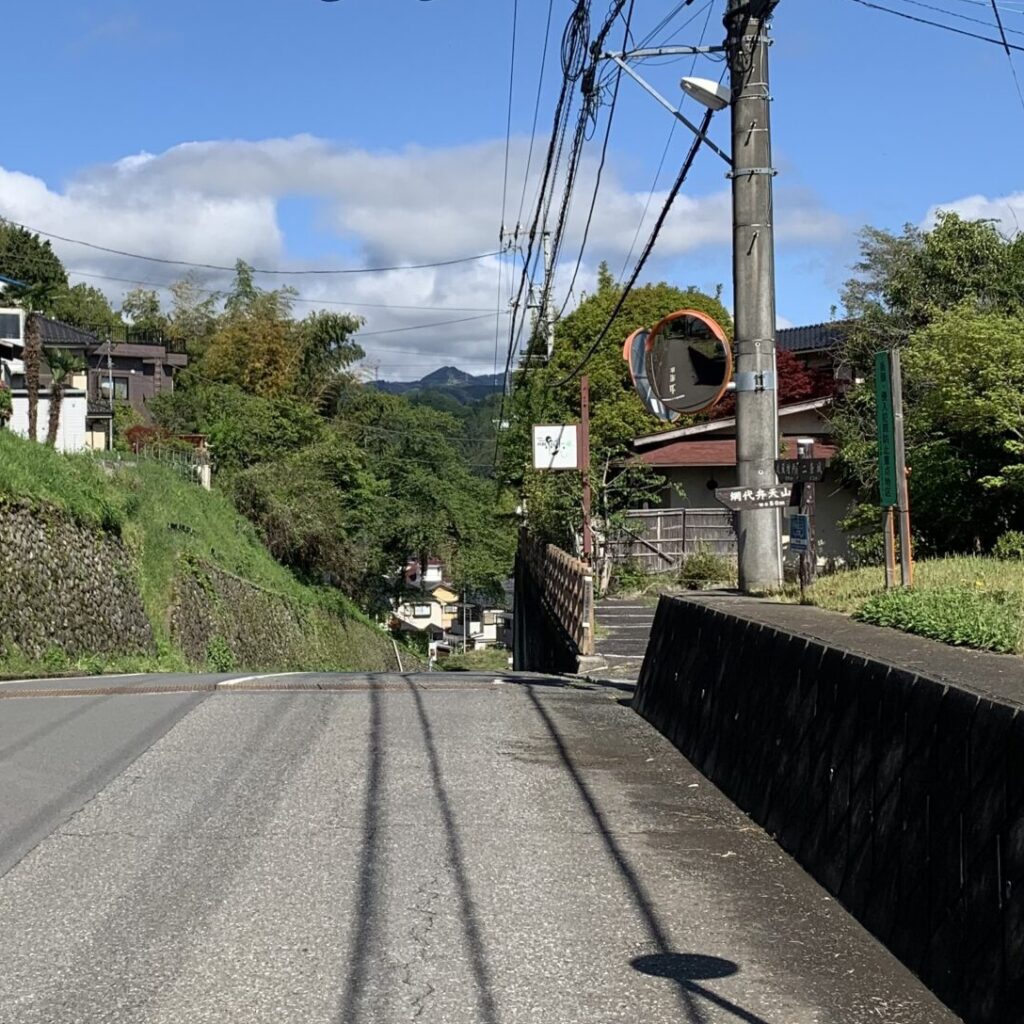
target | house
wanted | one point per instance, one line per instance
(430, 605)
(698, 459)
(121, 365)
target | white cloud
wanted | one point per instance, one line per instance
(213, 202)
(1006, 211)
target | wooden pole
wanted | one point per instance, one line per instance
(889, 534)
(902, 489)
(588, 536)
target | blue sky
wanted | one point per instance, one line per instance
(299, 133)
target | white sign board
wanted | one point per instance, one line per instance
(556, 447)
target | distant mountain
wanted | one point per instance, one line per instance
(449, 380)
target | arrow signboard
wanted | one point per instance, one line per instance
(742, 499)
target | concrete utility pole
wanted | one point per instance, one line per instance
(757, 418)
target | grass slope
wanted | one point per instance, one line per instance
(965, 601)
(162, 518)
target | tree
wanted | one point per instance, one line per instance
(63, 364)
(617, 414)
(327, 351)
(255, 343)
(141, 308)
(26, 257)
(85, 307)
(951, 299)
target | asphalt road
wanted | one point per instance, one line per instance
(435, 849)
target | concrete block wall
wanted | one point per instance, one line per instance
(901, 794)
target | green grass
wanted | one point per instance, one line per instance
(163, 519)
(965, 601)
(72, 483)
(489, 659)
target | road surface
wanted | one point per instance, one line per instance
(445, 848)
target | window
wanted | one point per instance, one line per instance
(10, 326)
(421, 611)
(121, 388)
(490, 618)
(451, 609)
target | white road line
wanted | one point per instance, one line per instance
(71, 679)
(268, 675)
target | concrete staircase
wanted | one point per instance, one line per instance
(623, 629)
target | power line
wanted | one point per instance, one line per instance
(1009, 55)
(938, 24)
(668, 143)
(962, 17)
(536, 113)
(508, 120)
(421, 327)
(601, 163)
(688, 163)
(256, 270)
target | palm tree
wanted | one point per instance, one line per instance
(63, 364)
(33, 356)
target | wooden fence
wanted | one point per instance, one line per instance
(660, 539)
(566, 587)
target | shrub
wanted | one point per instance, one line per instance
(1009, 546)
(987, 619)
(704, 567)
(219, 656)
(629, 577)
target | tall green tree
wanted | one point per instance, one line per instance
(951, 298)
(86, 307)
(24, 256)
(617, 414)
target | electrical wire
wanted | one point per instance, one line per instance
(938, 24)
(255, 270)
(508, 120)
(536, 114)
(648, 248)
(601, 163)
(422, 327)
(962, 17)
(1009, 55)
(668, 143)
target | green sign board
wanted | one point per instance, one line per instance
(886, 429)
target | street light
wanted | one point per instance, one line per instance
(710, 94)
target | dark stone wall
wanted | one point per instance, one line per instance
(902, 795)
(223, 622)
(66, 588)
(539, 644)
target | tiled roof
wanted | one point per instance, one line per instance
(62, 335)
(715, 453)
(812, 338)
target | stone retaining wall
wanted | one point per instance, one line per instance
(901, 794)
(65, 588)
(222, 622)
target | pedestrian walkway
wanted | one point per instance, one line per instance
(623, 629)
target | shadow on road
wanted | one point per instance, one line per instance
(467, 907)
(685, 969)
(365, 915)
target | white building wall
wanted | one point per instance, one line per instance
(71, 436)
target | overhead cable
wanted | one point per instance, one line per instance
(938, 24)
(648, 248)
(256, 270)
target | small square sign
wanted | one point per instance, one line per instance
(556, 447)
(799, 532)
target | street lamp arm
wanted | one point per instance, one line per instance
(700, 133)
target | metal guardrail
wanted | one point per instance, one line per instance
(567, 589)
